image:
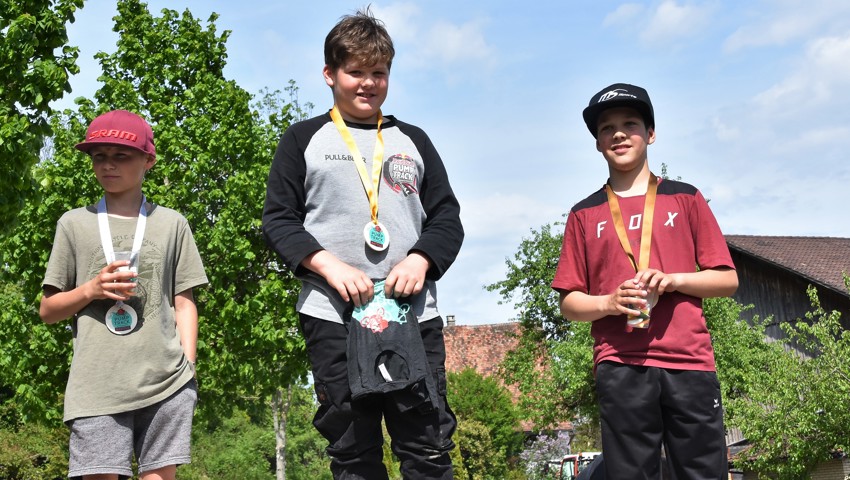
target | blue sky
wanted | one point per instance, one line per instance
(752, 103)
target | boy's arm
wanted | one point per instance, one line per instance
(284, 210)
(186, 317)
(707, 283)
(442, 233)
(284, 213)
(58, 305)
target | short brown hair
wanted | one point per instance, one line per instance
(360, 37)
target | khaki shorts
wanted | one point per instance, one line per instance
(158, 435)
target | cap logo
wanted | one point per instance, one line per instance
(618, 92)
(119, 134)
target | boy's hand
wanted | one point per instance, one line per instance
(705, 283)
(407, 277)
(627, 299)
(656, 280)
(352, 284)
(112, 283)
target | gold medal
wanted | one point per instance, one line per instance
(642, 320)
(374, 233)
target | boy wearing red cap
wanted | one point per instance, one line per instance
(123, 271)
(638, 257)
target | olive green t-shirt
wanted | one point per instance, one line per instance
(113, 373)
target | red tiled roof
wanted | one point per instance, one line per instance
(819, 259)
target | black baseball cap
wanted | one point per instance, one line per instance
(618, 95)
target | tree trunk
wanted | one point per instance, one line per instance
(280, 407)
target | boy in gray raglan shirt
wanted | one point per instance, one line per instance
(360, 208)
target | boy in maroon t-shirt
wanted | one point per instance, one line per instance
(642, 285)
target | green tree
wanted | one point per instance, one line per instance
(35, 64)
(479, 400)
(234, 447)
(29, 451)
(481, 457)
(306, 458)
(552, 365)
(214, 148)
(33, 451)
(795, 411)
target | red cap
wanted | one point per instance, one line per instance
(119, 127)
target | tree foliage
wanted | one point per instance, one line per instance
(232, 447)
(305, 447)
(552, 366)
(35, 64)
(528, 279)
(489, 436)
(795, 412)
(214, 147)
(481, 457)
(34, 451)
(30, 451)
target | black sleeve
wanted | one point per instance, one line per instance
(284, 208)
(442, 234)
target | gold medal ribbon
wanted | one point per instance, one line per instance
(646, 229)
(377, 160)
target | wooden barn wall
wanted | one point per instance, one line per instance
(780, 293)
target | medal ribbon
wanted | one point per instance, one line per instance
(106, 236)
(646, 228)
(377, 160)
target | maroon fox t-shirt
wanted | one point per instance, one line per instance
(685, 237)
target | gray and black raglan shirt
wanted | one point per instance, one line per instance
(315, 200)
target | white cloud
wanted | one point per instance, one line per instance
(672, 22)
(438, 44)
(623, 15)
(451, 44)
(400, 20)
(779, 31)
(780, 23)
(829, 56)
(667, 24)
(724, 131)
(820, 80)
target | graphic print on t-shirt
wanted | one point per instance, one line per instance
(380, 311)
(401, 174)
(635, 222)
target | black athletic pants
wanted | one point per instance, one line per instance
(641, 407)
(421, 440)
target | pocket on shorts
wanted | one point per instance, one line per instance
(332, 393)
(192, 391)
(440, 378)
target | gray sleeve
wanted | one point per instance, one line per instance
(61, 267)
(189, 268)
